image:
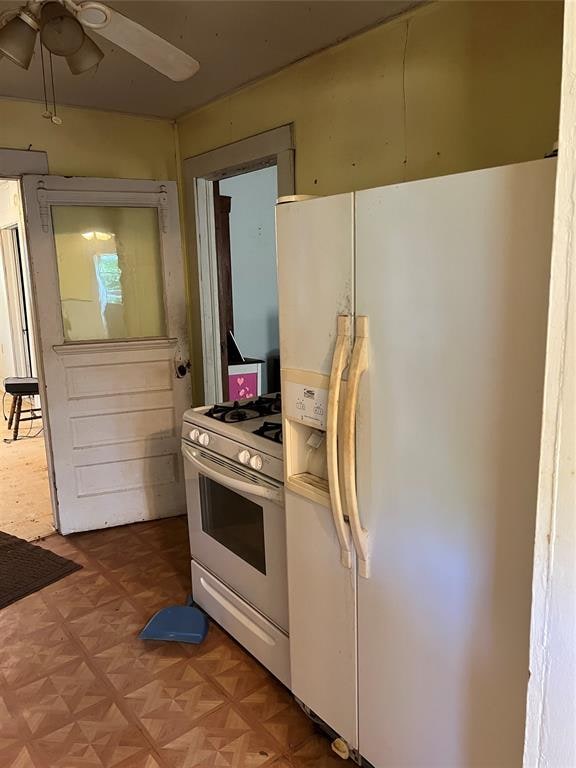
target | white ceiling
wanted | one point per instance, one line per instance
(236, 42)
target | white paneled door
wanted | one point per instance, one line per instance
(109, 289)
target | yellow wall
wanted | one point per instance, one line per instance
(480, 87)
(482, 84)
(92, 142)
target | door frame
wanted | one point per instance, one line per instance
(17, 298)
(271, 148)
(14, 164)
(222, 209)
(549, 737)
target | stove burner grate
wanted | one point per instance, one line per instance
(268, 404)
(233, 413)
(271, 430)
(265, 405)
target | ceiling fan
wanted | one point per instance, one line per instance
(63, 26)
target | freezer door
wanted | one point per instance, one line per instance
(315, 241)
(453, 275)
(322, 610)
(315, 247)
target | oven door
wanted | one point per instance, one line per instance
(238, 529)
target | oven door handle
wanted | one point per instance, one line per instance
(262, 491)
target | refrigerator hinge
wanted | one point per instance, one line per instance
(339, 745)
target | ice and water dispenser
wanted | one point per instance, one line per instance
(305, 406)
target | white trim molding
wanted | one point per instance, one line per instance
(123, 345)
(208, 287)
(248, 154)
(18, 162)
(551, 708)
(274, 147)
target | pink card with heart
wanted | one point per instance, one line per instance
(244, 386)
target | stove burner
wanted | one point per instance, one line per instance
(271, 430)
(269, 404)
(233, 413)
(265, 405)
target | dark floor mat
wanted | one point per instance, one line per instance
(26, 568)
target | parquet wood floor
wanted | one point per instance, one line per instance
(79, 690)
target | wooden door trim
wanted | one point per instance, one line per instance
(222, 207)
(271, 148)
(17, 162)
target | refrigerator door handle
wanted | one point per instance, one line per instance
(358, 365)
(339, 363)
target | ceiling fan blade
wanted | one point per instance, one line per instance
(137, 40)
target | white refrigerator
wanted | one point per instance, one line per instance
(412, 340)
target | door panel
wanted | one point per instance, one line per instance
(107, 274)
(453, 274)
(322, 605)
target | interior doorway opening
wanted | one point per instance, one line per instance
(247, 283)
(25, 503)
(231, 194)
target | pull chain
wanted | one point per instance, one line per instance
(55, 119)
(49, 113)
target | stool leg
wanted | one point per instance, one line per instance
(17, 417)
(12, 408)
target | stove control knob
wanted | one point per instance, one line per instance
(256, 462)
(204, 439)
(194, 435)
(244, 457)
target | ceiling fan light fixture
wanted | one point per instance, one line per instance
(18, 38)
(94, 15)
(85, 58)
(61, 33)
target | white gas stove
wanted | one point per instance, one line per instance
(233, 465)
(248, 432)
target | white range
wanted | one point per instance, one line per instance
(235, 497)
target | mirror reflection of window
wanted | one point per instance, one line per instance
(109, 278)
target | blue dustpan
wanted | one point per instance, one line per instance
(179, 623)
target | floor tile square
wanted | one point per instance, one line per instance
(223, 738)
(168, 709)
(82, 593)
(317, 753)
(25, 659)
(130, 665)
(231, 667)
(117, 620)
(273, 706)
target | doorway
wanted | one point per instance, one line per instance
(247, 283)
(232, 193)
(25, 503)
